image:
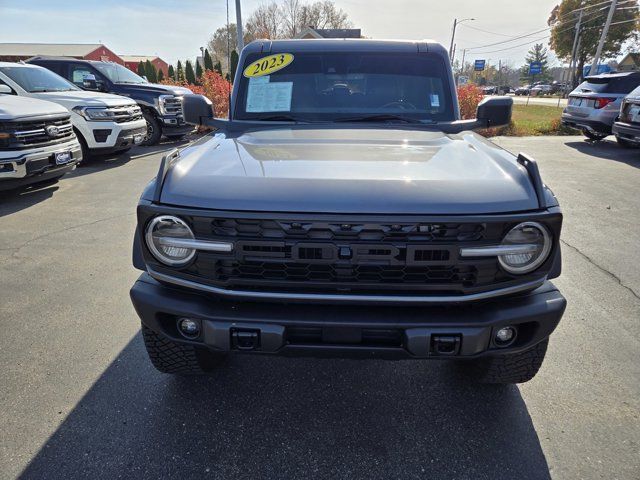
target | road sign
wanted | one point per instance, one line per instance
(478, 65)
(535, 68)
(463, 80)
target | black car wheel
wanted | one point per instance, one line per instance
(594, 136)
(154, 130)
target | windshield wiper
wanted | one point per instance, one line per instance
(381, 117)
(280, 118)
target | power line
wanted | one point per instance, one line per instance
(487, 31)
(512, 40)
(515, 46)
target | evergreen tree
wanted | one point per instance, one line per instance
(171, 73)
(189, 73)
(218, 68)
(152, 76)
(141, 70)
(179, 72)
(538, 53)
(160, 75)
(208, 62)
(198, 70)
(234, 64)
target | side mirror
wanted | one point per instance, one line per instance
(494, 111)
(5, 89)
(89, 83)
(196, 109)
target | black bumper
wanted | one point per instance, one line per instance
(125, 140)
(585, 124)
(627, 131)
(350, 330)
(48, 174)
(175, 126)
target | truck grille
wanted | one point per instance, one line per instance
(346, 256)
(38, 133)
(173, 106)
(126, 113)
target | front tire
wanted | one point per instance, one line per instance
(154, 130)
(511, 368)
(175, 358)
(596, 137)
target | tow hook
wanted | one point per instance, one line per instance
(245, 340)
(445, 345)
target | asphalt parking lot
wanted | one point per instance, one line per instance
(79, 398)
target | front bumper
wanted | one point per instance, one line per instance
(173, 125)
(104, 137)
(126, 138)
(18, 165)
(627, 131)
(389, 331)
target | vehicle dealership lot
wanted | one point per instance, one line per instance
(80, 398)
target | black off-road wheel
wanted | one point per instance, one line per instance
(178, 359)
(154, 130)
(505, 369)
(596, 137)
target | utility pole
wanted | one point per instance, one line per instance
(574, 50)
(464, 52)
(453, 35)
(603, 37)
(239, 27)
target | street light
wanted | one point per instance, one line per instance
(456, 22)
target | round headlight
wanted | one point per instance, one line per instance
(163, 235)
(531, 235)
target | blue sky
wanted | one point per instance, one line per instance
(176, 29)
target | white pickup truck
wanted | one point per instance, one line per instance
(104, 123)
(37, 143)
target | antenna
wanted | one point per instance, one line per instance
(229, 60)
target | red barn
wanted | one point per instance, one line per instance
(132, 61)
(13, 52)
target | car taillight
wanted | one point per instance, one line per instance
(603, 102)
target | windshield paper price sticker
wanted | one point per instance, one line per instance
(268, 65)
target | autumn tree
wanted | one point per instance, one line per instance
(563, 20)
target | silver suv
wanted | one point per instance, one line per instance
(595, 103)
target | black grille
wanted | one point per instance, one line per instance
(38, 133)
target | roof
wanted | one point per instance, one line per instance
(613, 75)
(55, 49)
(138, 58)
(635, 57)
(342, 45)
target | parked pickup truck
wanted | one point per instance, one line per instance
(344, 208)
(103, 123)
(161, 104)
(37, 143)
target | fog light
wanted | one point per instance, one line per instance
(505, 336)
(188, 328)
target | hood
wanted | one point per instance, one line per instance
(14, 108)
(73, 98)
(350, 170)
(153, 88)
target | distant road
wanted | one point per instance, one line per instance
(553, 102)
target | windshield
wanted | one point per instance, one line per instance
(344, 86)
(621, 85)
(37, 79)
(118, 74)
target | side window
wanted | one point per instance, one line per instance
(78, 73)
(6, 89)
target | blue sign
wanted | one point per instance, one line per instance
(535, 68)
(478, 66)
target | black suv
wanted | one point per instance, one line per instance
(161, 104)
(345, 209)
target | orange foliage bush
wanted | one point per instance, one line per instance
(469, 96)
(212, 86)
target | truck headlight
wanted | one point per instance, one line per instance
(95, 113)
(163, 237)
(531, 244)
